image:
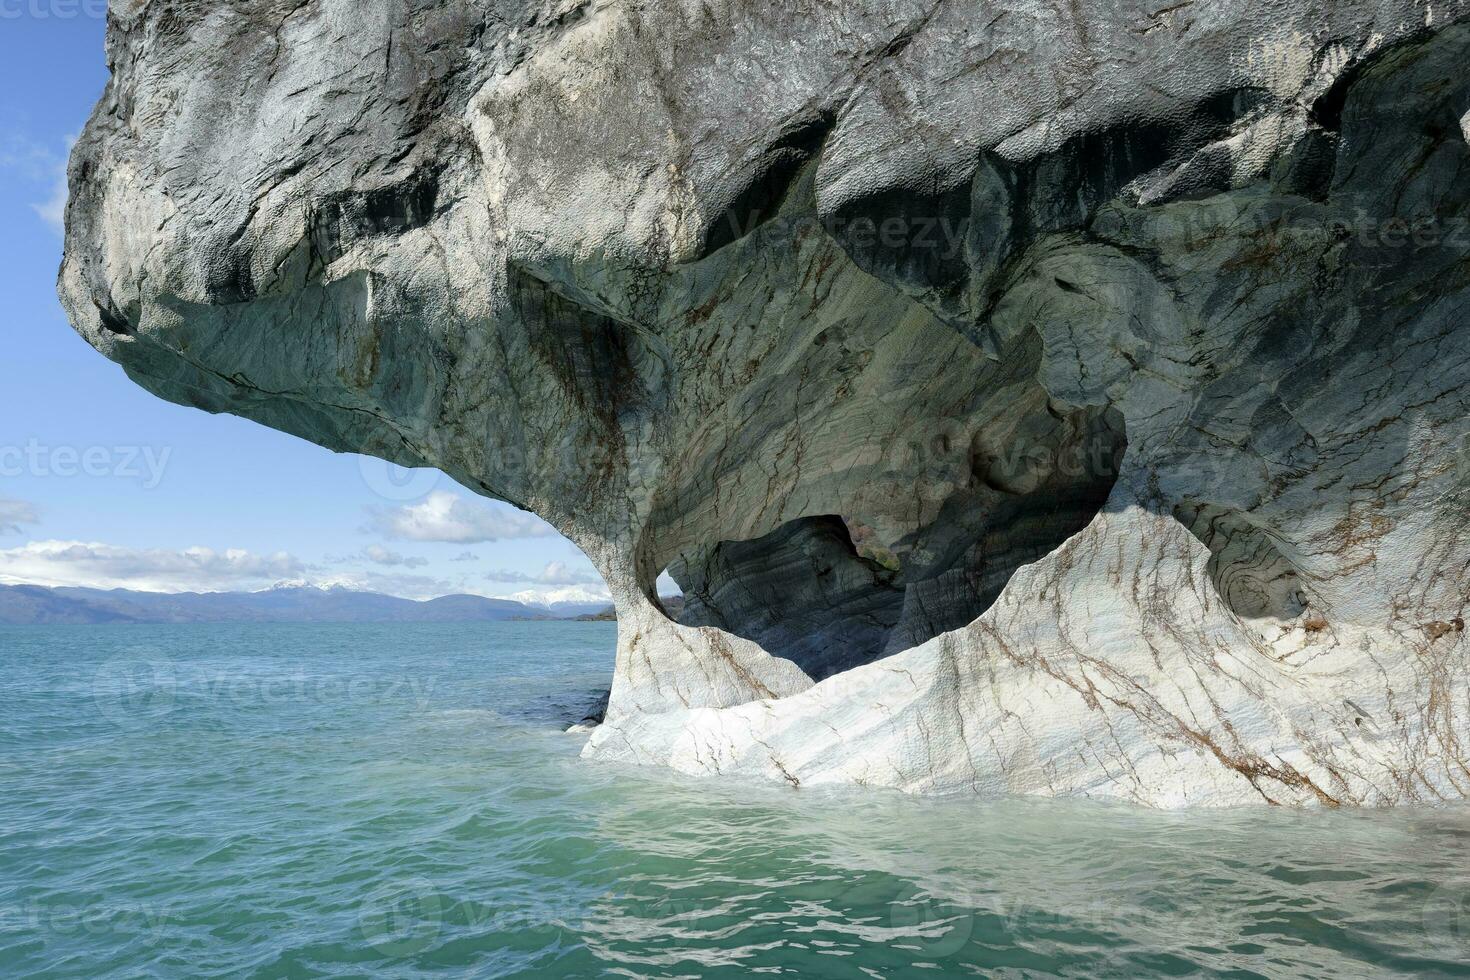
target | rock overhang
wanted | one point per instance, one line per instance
(678, 277)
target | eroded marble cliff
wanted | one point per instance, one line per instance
(1031, 397)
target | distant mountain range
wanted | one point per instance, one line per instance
(673, 605)
(24, 605)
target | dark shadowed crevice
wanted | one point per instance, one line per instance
(952, 242)
(828, 594)
(802, 592)
(770, 180)
(112, 321)
(341, 220)
(1327, 111)
(1031, 490)
(607, 368)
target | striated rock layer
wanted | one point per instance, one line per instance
(1031, 397)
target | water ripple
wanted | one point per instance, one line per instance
(367, 801)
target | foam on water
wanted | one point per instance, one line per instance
(395, 801)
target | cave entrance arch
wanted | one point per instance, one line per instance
(826, 593)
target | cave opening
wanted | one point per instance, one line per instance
(829, 593)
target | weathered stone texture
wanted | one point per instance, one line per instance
(1076, 392)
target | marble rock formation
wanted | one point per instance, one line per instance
(1031, 397)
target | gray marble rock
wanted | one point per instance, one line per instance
(1032, 397)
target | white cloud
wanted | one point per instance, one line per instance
(379, 555)
(555, 573)
(28, 160)
(466, 556)
(558, 573)
(446, 517)
(16, 514)
(35, 163)
(104, 566)
(53, 209)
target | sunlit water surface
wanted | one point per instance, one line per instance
(321, 801)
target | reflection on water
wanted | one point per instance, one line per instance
(349, 801)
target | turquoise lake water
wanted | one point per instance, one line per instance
(347, 801)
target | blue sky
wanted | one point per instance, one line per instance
(103, 485)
